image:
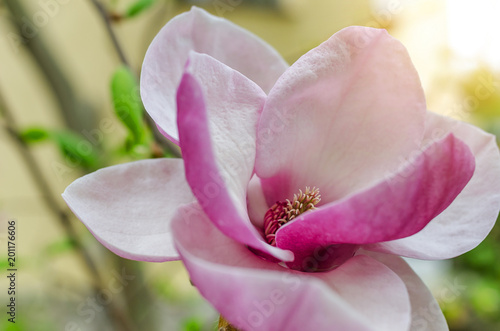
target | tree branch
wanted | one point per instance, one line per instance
(63, 217)
(159, 138)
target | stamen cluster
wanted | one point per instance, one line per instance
(283, 212)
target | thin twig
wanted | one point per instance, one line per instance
(76, 111)
(107, 22)
(159, 139)
(48, 197)
(43, 186)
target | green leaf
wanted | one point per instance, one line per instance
(74, 147)
(77, 149)
(33, 135)
(127, 102)
(193, 324)
(8, 326)
(138, 7)
(485, 298)
(4, 264)
(61, 246)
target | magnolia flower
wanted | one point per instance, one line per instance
(300, 187)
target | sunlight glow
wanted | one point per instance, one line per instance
(473, 30)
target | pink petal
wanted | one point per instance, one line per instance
(255, 294)
(342, 116)
(128, 207)
(199, 31)
(218, 113)
(467, 221)
(256, 202)
(425, 311)
(394, 208)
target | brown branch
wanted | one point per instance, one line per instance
(107, 23)
(43, 186)
(48, 197)
(77, 113)
(107, 20)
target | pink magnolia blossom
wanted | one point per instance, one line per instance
(300, 187)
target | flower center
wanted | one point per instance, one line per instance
(283, 212)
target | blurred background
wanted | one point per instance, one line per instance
(64, 66)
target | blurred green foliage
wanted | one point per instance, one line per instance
(138, 7)
(60, 246)
(76, 149)
(478, 307)
(127, 102)
(91, 155)
(481, 93)
(193, 324)
(33, 135)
